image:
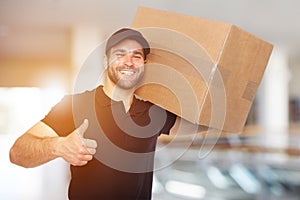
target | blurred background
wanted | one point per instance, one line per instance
(44, 43)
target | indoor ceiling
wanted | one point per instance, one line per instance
(42, 27)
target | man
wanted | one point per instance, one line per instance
(107, 135)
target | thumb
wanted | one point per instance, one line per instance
(82, 128)
(91, 145)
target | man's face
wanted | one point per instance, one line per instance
(126, 64)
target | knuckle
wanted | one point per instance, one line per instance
(81, 150)
(79, 157)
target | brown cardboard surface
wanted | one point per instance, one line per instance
(205, 71)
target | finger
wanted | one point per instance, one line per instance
(83, 127)
(91, 151)
(86, 157)
(79, 163)
(82, 161)
(89, 143)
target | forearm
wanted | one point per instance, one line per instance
(41, 144)
(31, 151)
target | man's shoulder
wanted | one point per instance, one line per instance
(87, 93)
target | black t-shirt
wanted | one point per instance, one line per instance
(122, 168)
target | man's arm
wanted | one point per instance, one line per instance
(183, 131)
(183, 127)
(41, 144)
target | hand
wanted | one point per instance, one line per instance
(75, 149)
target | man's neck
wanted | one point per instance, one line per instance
(118, 94)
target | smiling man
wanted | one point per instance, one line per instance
(111, 152)
(126, 64)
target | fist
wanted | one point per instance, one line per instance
(75, 149)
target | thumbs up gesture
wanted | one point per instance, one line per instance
(74, 148)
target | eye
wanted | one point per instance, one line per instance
(138, 56)
(119, 54)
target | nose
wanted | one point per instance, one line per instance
(128, 60)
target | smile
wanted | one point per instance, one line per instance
(127, 73)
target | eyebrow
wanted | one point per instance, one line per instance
(137, 51)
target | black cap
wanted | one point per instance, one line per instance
(127, 33)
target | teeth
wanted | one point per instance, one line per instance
(128, 73)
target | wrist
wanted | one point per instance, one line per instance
(56, 143)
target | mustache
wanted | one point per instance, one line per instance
(126, 68)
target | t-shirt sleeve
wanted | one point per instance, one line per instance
(60, 117)
(171, 118)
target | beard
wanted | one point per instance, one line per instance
(125, 77)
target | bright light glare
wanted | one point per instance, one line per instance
(245, 179)
(20, 108)
(217, 178)
(53, 91)
(53, 94)
(185, 189)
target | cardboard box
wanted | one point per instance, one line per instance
(205, 71)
